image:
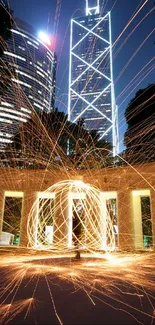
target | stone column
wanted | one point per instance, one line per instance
(29, 207)
(92, 217)
(125, 220)
(103, 224)
(152, 203)
(61, 222)
(2, 204)
(137, 215)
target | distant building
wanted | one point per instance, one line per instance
(33, 66)
(91, 87)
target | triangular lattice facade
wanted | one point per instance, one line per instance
(91, 88)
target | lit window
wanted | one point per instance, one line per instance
(7, 104)
(14, 55)
(36, 47)
(25, 110)
(12, 111)
(13, 117)
(40, 63)
(5, 120)
(21, 83)
(21, 48)
(37, 105)
(34, 79)
(5, 140)
(41, 74)
(8, 135)
(16, 32)
(19, 33)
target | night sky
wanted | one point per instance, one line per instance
(45, 14)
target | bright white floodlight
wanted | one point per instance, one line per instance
(44, 38)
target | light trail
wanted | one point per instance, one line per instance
(91, 236)
(99, 276)
(133, 30)
(137, 84)
(130, 21)
(130, 84)
(56, 21)
(63, 43)
(134, 54)
(104, 278)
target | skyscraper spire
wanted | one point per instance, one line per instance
(92, 10)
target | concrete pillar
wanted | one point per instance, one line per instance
(29, 200)
(103, 224)
(96, 223)
(92, 221)
(125, 220)
(61, 222)
(137, 215)
(152, 203)
(2, 204)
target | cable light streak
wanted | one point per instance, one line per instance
(53, 302)
(136, 171)
(64, 40)
(130, 21)
(134, 54)
(140, 107)
(137, 84)
(130, 83)
(133, 30)
(56, 19)
(113, 5)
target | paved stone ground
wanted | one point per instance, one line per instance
(38, 287)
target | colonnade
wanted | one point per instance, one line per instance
(129, 218)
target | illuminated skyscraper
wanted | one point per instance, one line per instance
(33, 67)
(91, 87)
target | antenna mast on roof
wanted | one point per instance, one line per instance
(92, 10)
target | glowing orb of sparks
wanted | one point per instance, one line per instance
(71, 215)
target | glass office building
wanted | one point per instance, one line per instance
(33, 67)
(91, 87)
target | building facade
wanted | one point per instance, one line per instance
(91, 87)
(33, 67)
